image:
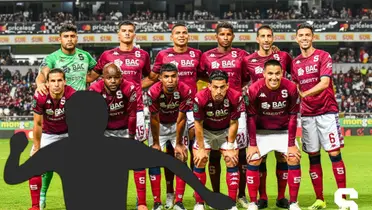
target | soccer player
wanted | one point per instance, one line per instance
(49, 122)
(216, 111)
(312, 71)
(226, 58)
(133, 63)
(254, 67)
(75, 62)
(272, 124)
(169, 100)
(187, 61)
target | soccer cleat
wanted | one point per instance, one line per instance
(319, 204)
(252, 206)
(262, 204)
(282, 203)
(199, 206)
(157, 206)
(179, 206)
(34, 208)
(169, 201)
(242, 202)
(294, 206)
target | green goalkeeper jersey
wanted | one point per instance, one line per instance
(75, 66)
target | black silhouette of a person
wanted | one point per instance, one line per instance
(94, 168)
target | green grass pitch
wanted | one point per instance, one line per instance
(357, 156)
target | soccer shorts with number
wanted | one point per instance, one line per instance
(215, 140)
(168, 133)
(271, 140)
(47, 139)
(242, 135)
(321, 131)
(141, 128)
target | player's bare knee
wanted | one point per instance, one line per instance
(229, 162)
(280, 157)
(334, 153)
(293, 161)
(255, 162)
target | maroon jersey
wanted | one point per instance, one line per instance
(273, 109)
(122, 105)
(169, 105)
(230, 62)
(307, 72)
(187, 64)
(133, 65)
(217, 116)
(254, 64)
(53, 111)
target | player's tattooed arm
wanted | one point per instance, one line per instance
(318, 88)
(150, 80)
(155, 130)
(41, 80)
(37, 130)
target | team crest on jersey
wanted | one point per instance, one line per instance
(63, 100)
(133, 97)
(175, 63)
(226, 102)
(118, 62)
(300, 72)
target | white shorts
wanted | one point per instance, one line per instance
(242, 135)
(321, 131)
(271, 140)
(190, 120)
(124, 133)
(168, 133)
(215, 140)
(47, 139)
(141, 128)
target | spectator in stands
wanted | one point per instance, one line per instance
(363, 58)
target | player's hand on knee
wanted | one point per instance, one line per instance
(200, 157)
(293, 152)
(156, 146)
(41, 89)
(18, 142)
(251, 151)
(180, 152)
(231, 157)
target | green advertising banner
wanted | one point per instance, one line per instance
(356, 123)
(14, 125)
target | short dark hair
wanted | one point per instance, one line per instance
(56, 70)
(178, 24)
(67, 27)
(218, 75)
(305, 25)
(224, 25)
(265, 27)
(272, 62)
(127, 23)
(168, 67)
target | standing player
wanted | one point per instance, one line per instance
(216, 112)
(272, 114)
(49, 122)
(75, 63)
(133, 63)
(169, 100)
(187, 61)
(312, 71)
(254, 67)
(226, 58)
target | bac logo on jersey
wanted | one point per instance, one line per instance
(279, 104)
(311, 69)
(258, 70)
(116, 106)
(228, 64)
(187, 63)
(132, 62)
(221, 112)
(215, 65)
(59, 112)
(169, 106)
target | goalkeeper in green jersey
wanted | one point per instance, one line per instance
(76, 64)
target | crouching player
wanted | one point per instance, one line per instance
(169, 100)
(216, 112)
(272, 114)
(120, 96)
(49, 124)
